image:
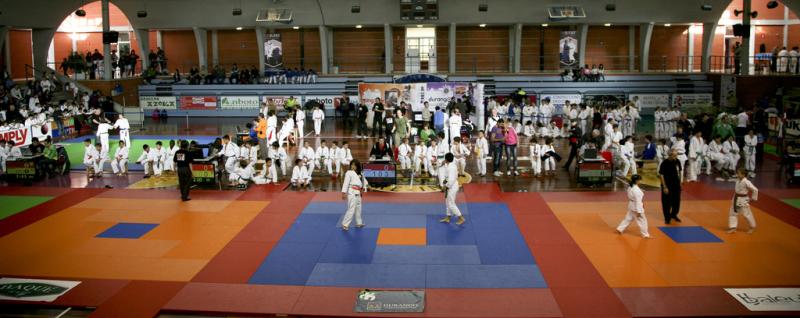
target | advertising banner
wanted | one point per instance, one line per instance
(23, 136)
(727, 91)
(390, 301)
(767, 299)
(198, 102)
(279, 101)
(160, 102)
(648, 102)
(21, 289)
(568, 49)
(273, 51)
(239, 102)
(692, 100)
(329, 102)
(390, 94)
(558, 100)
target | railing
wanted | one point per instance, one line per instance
(118, 73)
(760, 64)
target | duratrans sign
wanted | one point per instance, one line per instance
(34, 289)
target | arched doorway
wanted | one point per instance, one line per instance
(79, 35)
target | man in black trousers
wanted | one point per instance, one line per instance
(575, 136)
(183, 159)
(669, 172)
(377, 118)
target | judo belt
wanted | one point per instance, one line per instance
(736, 206)
(357, 188)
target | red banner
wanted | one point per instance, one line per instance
(198, 103)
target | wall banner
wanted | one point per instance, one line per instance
(558, 100)
(273, 51)
(198, 102)
(159, 102)
(649, 102)
(239, 102)
(727, 91)
(692, 100)
(568, 49)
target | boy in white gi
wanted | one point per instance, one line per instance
(102, 157)
(230, 154)
(102, 137)
(279, 156)
(318, 116)
(268, 174)
(536, 153)
(662, 151)
(418, 158)
(715, 154)
(243, 174)
(124, 127)
(119, 165)
(168, 156)
(481, 149)
(750, 144)
(731, 150)
(404, 155)
(354, 184)
(460, 153)
(449, 186)
(695, 156)
(744, 192)
(161, 154)
(90, 156)
(635, 208)
(286, 131)
(300, 122)
(309, 156)
(301, 177)
(324, 156)
(454, 122)
(627, 156)
(431, 160)
(147, 160)
(272, 127)
(549, 163)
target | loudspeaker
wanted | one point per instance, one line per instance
(237, 11)
(741, 30)
(611, 7)
(355, 9)
(110, 37)
(141, 14)
(483, 7)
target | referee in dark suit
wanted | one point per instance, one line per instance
(183, 159)
(669, 172)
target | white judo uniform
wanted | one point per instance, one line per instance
(744, 192)
(450, 184)
(635, 211)
(353, 186)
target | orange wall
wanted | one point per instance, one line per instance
(667, 45)
(236, 47)
(21, 52)
(794, 36)
(358, 50)
(180, 48)
(482, 49)
(130, 90)
(608, 46)
(291, 48)
(399, 49)
(763, 12)
(442, 49)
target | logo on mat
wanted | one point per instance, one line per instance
(23, 290)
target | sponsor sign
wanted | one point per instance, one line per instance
(727, 91)
(160, 102)
(239, 102)
(390, 301)
(34, 289)
(279, 101)
(767, 299)
(198, 102)
(330, 102)
(692, 100)
(558, 100)
(650, 101)
(24, 136)
(792, 127)
(21, 169)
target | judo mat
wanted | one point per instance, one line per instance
(138, 253)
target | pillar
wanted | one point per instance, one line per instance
(41, 39)
(159, 40)
(645, 33)
(515, 49)
(387, 47)
(709, 28)
(108, 72)
(7, 50)
(785, 25)
(260, 32)
(201, 38)
(323, 48)
(451, 49)
(214, 48)
(583, 34)
(143, 37)
(3, 35)
(631, 48)
(690, 50)
(744, 54)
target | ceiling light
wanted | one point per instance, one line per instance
(705, 7)
(296, 27)
(772, 4)
(141, 14)
(239, 28)
(419, 25)
(667, 25)
(483, 25)
(358, 26)
(544, 25)
(607, 24)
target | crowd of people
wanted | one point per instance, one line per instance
(219, 75)
(585, 73)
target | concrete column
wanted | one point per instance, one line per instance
(323, 48)
(214, 48)
(201, 38)
(709, 28)
(7, 50)
(260, 45)
(159, 39)
(3, 35)
(583, 34)
(516, 48)
(41, 39)
(143, 37)
(108, 72)
(744, 55)
(645, 33)
(451, 48)
(631, 48)
(690, 50)
(387, 46)
(785, 26)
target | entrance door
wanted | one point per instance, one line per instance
(420, 50)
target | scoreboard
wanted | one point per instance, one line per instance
(380, 173)
(419, 10)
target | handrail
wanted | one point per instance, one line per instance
(65, 79)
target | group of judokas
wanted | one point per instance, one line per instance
(96, 155)
(666, 121)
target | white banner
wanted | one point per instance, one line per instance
(239, 102)
(650, 101)
(792, 127)
(692, 100)
(160, 102)
(727, 91)
(21, 289)
(24, 136)
(329, 102)
(558, 100)
(767, 299)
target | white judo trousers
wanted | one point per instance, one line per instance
(640, 221)
(742, 209)
(450, 201)
(353, 210)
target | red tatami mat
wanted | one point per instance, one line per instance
(482, 192)
(236, 299)
(40, 191)
(683, 301)
(138, 299)
(170, 194)
(235, 263)
(89, 293)
(41, 211)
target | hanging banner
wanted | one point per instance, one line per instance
(158, 102)
(21, 289)
(273, 51)
(239, 102)
(198, 102)
(558, 100)
(692, 100)
(767, 299)
(727, 91)
(390, 94)
(568, 49)
(476, 97)
(648, 102)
